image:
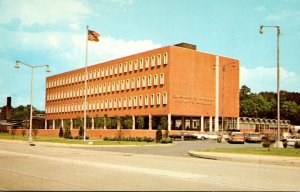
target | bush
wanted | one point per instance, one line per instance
(167, 140)
(266, 144)
(23, 132)
(297, 144)
(285, 144)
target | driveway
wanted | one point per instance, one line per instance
(178, 148)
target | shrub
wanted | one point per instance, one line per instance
(35, 132)
(167, 140)
(80, 131)
(266, 144)
(285, 144)
(23, 132)
(297, 144)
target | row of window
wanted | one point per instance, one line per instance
(128, 84)
(143, 63)
(115, 103)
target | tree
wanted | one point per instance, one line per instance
(78, 122)
(244, 92)
(61, 132)
(99, 122)
(158, 136)
(127, 122)
(140, 122)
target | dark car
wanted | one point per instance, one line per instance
(185, 136)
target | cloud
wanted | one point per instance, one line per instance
(284, 14)
(260, 78)
(260, 9)
(42, 12)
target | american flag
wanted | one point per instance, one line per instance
(93, 36)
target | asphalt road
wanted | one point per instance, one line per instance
(52, 167)
(179, 148)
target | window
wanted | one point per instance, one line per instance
(165, 58)
(149, 80)
(113, 86)
(125, 67)
(140, 100)
(138, 82)
(102, 105)
(158, 60)
(76, 79)
(98, 105)
(81, 92)
(141, 63)
(104, 88)
(146, 100)
(147, 62)
(107, 72)
(120, 68)
(127, 84)
(110, 103)
(136, 65)
(158, 99)
(120, 103)
(130, 66)
(73, 78)
(122, 85)
(111, 70)
(125, 102)
(152, 99)
(94, 105)
(88, 90)
(132, 83)
(161, 79)
(135, 101)
(116, 69)
(92, 90)
(102, 72)
(79, 78)
(118, 86)
(90, 77)
(106, 104)
(98, 73)
(129, 101)
(96, 89)
(100, 88)
(155, 80)
(108, 87)
(144, 81)
(94, 74)
(153, 61)
(115, 103)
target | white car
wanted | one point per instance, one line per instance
(292, 140)
(202, 136)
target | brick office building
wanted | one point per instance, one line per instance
(193, 90)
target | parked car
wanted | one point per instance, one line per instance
(184, 135)
(236, 137)
(253, 138)
(292, 140)
(213, 136)
(202, 136)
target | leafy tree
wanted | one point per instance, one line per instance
(61, 132)
(99, 122)
(78, 122)
(158, 136)
(140, 122)
(127, 122)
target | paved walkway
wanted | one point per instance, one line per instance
(259, 159)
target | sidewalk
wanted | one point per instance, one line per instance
(258, 159)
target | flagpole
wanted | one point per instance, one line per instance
(85, 84)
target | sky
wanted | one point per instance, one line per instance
(53, 32)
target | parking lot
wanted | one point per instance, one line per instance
(178, 148)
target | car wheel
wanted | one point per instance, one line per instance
(202, 138)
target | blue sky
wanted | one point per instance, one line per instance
(53, 32)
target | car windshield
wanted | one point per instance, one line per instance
(236, 134)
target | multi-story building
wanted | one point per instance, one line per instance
(193, 90)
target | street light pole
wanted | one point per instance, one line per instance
(31, 91)
(279, 144)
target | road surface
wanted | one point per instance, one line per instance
(49, 167)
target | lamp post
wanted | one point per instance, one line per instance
(278, 143)
(223, 71)
(31, 92)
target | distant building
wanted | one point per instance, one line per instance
(192, 89)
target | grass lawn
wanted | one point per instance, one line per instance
(288, 152)
(56, 139)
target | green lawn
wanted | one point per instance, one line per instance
(56, 139)
(288, 152)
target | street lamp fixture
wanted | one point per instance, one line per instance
(31, 92)
(278, 143)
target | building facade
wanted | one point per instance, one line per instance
(193, 90)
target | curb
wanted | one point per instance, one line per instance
(256, 159)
